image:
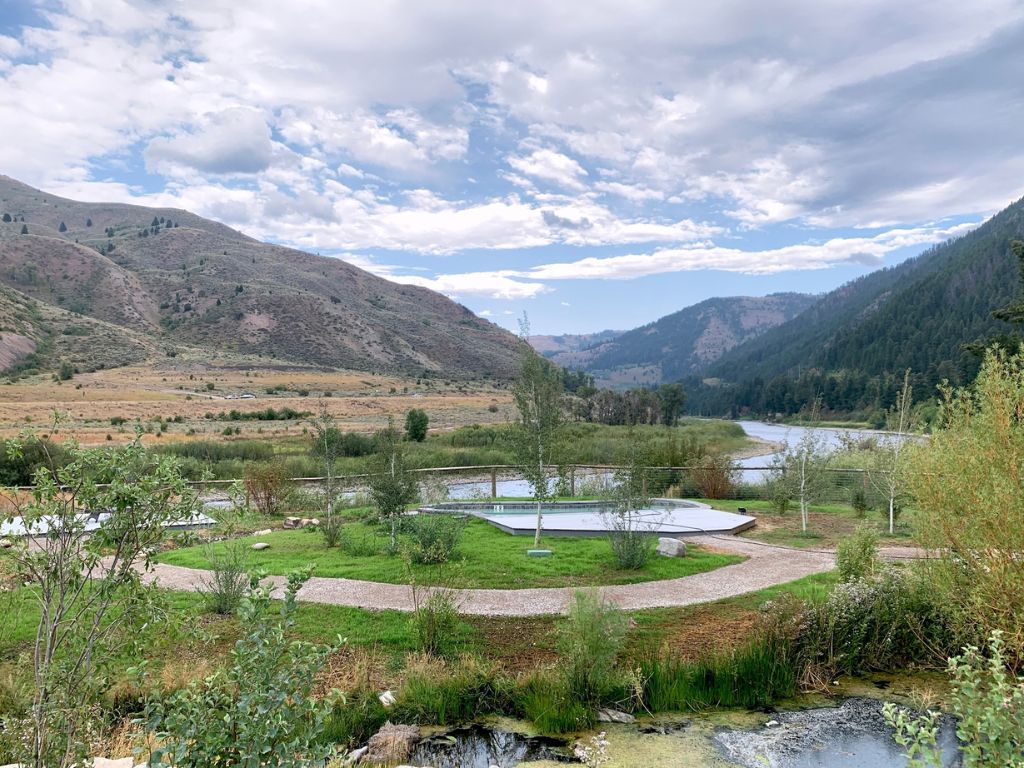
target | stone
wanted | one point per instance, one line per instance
(264, 532)
(391, 744)
(6, 543)
(124, 762)
(260, 545)
(614, 716)
(387, 698)
(356, 755)
(300, 522)
(538, 553)
(291, 522)
(670, 547)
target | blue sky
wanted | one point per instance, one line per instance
(596, 165)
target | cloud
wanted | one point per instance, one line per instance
(547, 165)
(232, 141)
(495, 285)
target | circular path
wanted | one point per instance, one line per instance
(766, 566)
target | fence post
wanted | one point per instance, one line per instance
(494, 483)
(572, 481)
(643, 485)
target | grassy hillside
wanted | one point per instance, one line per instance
(183, 280)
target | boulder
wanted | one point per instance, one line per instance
(291, 522)
(614, 716)
(391, 744)
(264, 532)
(260, 545)
(300, 522)
(670, 547)
(387, 699)
(355, 756)
(6, 543)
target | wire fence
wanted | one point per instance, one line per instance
(831, 485)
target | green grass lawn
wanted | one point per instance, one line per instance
(487, 558)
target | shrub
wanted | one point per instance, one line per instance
(989, 706)
(547, 702)
(259, 705)
(857, 555)
(435, 618)
(715, 476)
(590, 640)
(859, 502)
(267, 487)
(228, 579)
(354, 720)
(435, 538)
(631, 547)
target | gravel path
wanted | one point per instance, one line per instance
(766, 566)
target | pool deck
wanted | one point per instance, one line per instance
(666, 517)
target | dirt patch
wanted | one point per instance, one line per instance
(517, 644)
(350, 669)
(691, 633)
(14, 348)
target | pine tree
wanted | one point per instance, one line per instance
(24, 229)
(63, 227)
(7, 218)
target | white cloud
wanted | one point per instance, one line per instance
(231, 141)
(495, 285)
(547, 165)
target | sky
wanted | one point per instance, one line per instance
(593, 164)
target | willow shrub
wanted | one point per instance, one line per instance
(967, 481)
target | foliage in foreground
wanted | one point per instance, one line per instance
(967, 482)
(98, 518)
(988, 704)
(257, 712)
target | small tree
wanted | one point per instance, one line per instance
(392, 486)
(63, 227)
(88, 222)
(66, 370)
(326, 447)
(416, 422)
(7, 218)
(538, 396)
(890, 456)
(94, 525)
(24, 229)
(801, 468)
(267, 486)
(630, 538)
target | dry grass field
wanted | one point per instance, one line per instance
(181, 393)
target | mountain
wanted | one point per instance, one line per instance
(570, 350)
(852, 346)
(679, 344)
(164, 278)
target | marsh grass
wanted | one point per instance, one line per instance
(751, 677)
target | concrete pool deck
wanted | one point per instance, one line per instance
(666, 517)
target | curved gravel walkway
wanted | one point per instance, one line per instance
(766, 566)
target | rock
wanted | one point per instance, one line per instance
(260, 545)
(387, 698)
(300, 522)
(614, 716)
(356, 755)
(6, 543)
(264, 532)
(291, 522)
(670, 547)
(391, 744)
(124, 762)
(772, 724)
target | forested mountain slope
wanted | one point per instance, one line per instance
(852, 346)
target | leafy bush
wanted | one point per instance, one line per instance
(857, 555)
(434, 538)
(631, 547)
(859, 502)
(416, 422)
(886, 622)
(259, 710)
(228, 579)
(989, 706)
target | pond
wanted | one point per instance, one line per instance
(852, 734)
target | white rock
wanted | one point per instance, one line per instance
(264, 532)
(260, 545)
(670, 547)
(772, 724)
(614, 716)
(6, 543)
(387, 698)
(124, 762)
(356, 755)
